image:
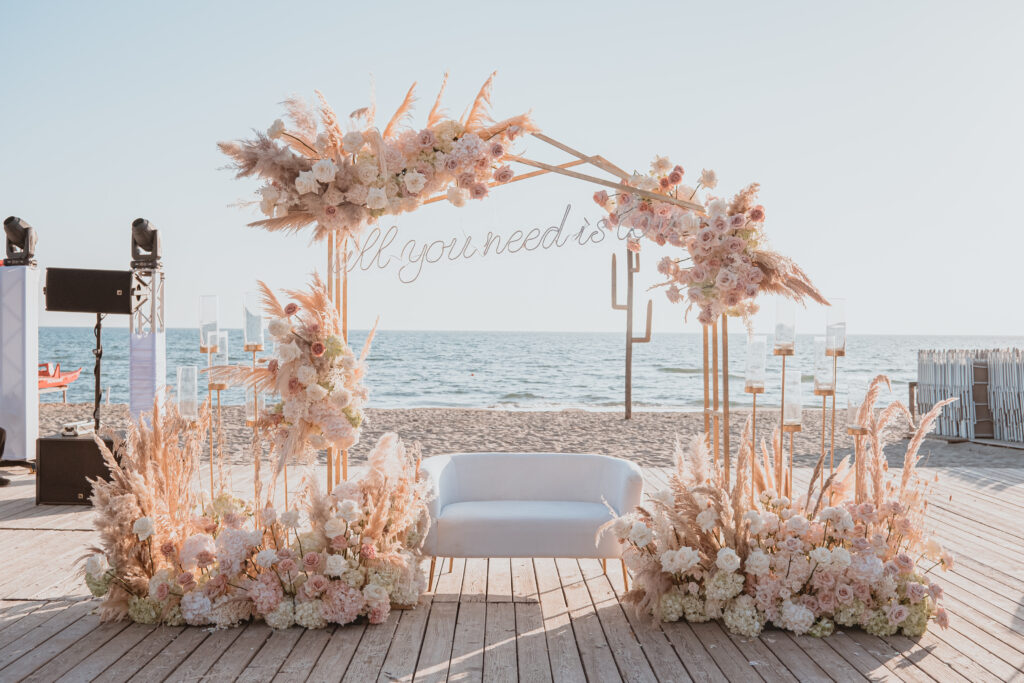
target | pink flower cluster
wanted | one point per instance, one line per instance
(359, 553)
(724, 274)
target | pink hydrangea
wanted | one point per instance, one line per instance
(342, 603)
(266, 593)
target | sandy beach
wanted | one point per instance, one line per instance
(648, 439)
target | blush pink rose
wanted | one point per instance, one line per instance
(426, 138)
(291, 309)
(478, 191)
(757, 214)
(601, 197)
(504, 174)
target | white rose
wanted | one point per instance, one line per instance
(335, 527)
(96, 566)
(661, 165)
(840, 558)
(288, 352)
(640, 534)
(290, 518)
(457, 195)
(376, 198)
(275, 130)
(758, 563)
(367, 171)
(798, 525)
(267, 207)
(315, 392)
(324, 170)
(306, 375)
(707, 519)
(821, 555)
(708, 179)
(335, 565)
(279, 327)
(727, 560)
(756, 524)
(664, 496)
(718, 207)
(266, 558)
(352, 142)
(620, 528)
(350, 511)
(143, 528)
(306, 183)
(414, 181)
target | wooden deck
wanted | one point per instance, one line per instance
(520, 619)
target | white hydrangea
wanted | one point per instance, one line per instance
(288, 352)
(310, 614)
(335, 566)
(694, 609)
(290, 519)
(795, 617)
(230, 611)
(375, 593)
(283, 617)
(306, 375)
(315, 392)
(671, 605)
(279, 327)
(266, 558)
(742, 618)
(724, 585)
(195, 608)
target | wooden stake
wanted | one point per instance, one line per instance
(515, 179)
(344, 333)
(782, 417)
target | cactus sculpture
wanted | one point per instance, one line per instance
(632, 267)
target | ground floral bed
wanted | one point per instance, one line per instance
(845, 552)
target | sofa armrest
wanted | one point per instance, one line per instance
(438, 472)
(628, 490)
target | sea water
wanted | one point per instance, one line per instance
(527, 370)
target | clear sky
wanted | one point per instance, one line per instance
(887, 138)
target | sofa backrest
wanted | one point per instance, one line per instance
(578, 477)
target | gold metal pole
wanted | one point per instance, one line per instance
(707, 418)
(220, 440)
(714, 375)
(331, 296)
(725, 397)
(835, 385)
(344, 332)
(782, 413)
(753, 449)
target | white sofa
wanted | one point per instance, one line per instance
(527, 504)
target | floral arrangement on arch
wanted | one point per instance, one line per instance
(335, 558)
(730, 262)
(846, 553)
(316, 375)
(316, 172)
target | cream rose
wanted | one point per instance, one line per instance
(324, 170)
(306, 183)
(376, 198)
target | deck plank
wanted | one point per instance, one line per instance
(500, 662)
(467, 662)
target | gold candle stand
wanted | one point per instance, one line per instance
(632, 267)
(718, 414)
(835, 355)
(753, 390)
(254, 349)
(825, 393)
(788, 484)
(209, 351)
(858, 433)
(217, 387)
(783, 352)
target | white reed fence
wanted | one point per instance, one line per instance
(1006, 393)
(989, 384)
(941, 374)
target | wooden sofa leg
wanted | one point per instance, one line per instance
(430, 581)
(451, 564)
(604, 565)
(625, 575)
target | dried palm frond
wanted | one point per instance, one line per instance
(784, 277)
(293, 221)
(271, 304)
(523, 121)
(910, 459)
(479, 113)
(436, 113)
(330, 122)
(403, 112)
(301, 115)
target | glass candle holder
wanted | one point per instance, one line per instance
(823, 379)
(835, 328)
(854, 401)
(208, 325)
(252, 313)
(792, 409)
(220, 355)
(755, 374)
(188, 392)
(785, 325)
(253, 406)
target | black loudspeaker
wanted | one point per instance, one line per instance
(64, 464)
(78, 290)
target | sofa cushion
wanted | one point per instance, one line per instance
(523, 528)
